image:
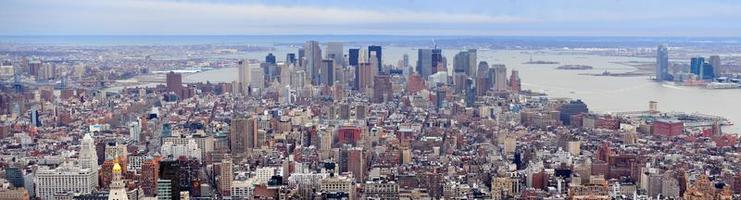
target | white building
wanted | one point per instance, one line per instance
(135, 131)
(65, 178)
(117, 186)
(242, 189)
(190, 150)
(88, 157)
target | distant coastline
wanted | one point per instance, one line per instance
(574, 67)
(541, 62)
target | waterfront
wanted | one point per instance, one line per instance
(603, 94)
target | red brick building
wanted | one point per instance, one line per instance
(668, 127)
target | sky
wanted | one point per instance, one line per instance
(657, 18)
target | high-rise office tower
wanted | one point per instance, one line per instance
(175, 83)
(328, 72)
(702, 69)
(499, 74)
(335, 52)
(291, 58)
(405, 61)
(373, 49)
(257, 78)
(365, 75)
(472, 63)
(715, 62)
(460, 62)
(301, 58)
(226, 176)
(313, 60)
(244, 76)
(353, 56)
(135, 130)
(662, 63)
(149, 175)
(459, 82)
(382, 88)
(270, 59)
(696, 65)
(353, 60)
(429, 61)
(88, 158)
(170, 170)
(515, 82)
(465, 61)
(483, 80)
(470, 93)
(242, 135)
(356, 163)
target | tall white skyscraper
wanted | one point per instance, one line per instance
(88, 158)
(244, 76)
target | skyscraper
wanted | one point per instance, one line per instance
(364, 76)
(377, 51)
(702, 69)
(291, 58)
(460, 62)
(662, 63)
(353, 56)
(472, 63)
(242, 135)
(270, 59)
(313, 60)
(335, 52)
(328, 72)
(514, 81)
(465, 61)
(428, 61)
(244, 76)
(382, 88)
(88, 158)
(715, 62)
(696, 64)
(175, 83)
(225, 176)
(499, 74)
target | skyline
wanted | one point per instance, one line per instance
(406, 18)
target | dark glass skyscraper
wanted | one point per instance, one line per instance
(702, 69)
(376, 49)
(353, 56)
(270, 58)
(291, 58)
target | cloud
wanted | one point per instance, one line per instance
(131, 16)
(404, 17)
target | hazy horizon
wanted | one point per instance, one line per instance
(623, 18)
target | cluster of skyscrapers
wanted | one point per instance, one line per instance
(699, 68)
